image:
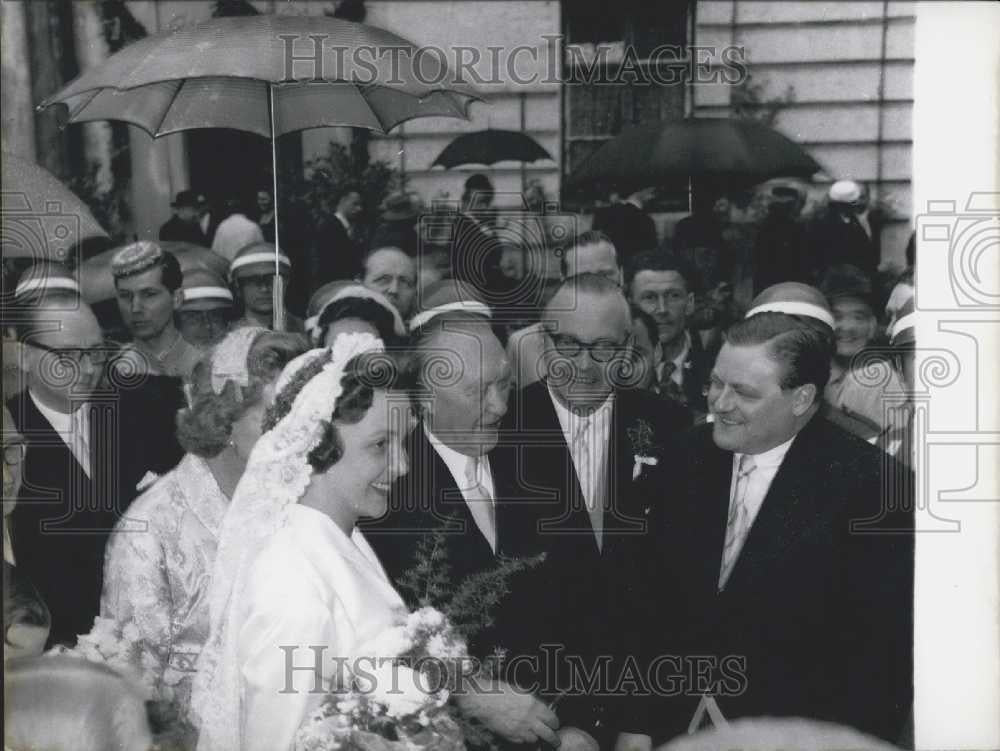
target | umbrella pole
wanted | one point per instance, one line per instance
(278, 291)
(690, 203)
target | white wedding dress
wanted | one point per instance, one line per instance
(313, 594)
(289, 588)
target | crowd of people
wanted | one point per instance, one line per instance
(717, 496)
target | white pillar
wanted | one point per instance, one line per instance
(159, 167)
(956, 92)
(92, 49)
(18, 131)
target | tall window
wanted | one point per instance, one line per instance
(603, 40)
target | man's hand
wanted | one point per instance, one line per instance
(514, 715)
(574, 739)
(633, 742)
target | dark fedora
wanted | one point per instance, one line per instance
(186, 198)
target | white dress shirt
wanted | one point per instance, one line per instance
(463, 468)
(587, 438)
(759, 481)
(72, 428)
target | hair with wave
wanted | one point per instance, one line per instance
(803, 346)
(363, 376)
(205, 427)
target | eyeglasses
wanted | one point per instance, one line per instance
(14, 453)
(98, 355)
(601, 351)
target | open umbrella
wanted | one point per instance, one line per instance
(489, 147)
(41, 218)
(97, 282)
(742, 150)
(269, 75)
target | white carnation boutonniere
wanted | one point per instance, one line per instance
(641, 437)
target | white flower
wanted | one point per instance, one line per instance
(651, 461)
(426, 618)
(444, 648)
(400, 690)
(392, 642)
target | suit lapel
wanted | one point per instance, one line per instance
(784, 514)
(450, 504)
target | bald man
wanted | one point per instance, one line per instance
(584, 437)
(456, 489)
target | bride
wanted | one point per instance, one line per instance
(295, 583)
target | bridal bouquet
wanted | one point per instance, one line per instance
(398, 697)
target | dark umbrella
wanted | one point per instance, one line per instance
(269, 75)
(489, 147)
(41, 218)
(741, 150)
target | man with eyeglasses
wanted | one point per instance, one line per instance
(88, 440)
(584, 437)
(591, 252)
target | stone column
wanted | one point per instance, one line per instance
(18, 132)
(92, 49)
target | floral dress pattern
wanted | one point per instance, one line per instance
(157, 573)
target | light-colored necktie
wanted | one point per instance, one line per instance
(581, 447)
(479, 501)
(81, 439)
(738, 523)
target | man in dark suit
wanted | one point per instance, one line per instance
(583, 440)
(184, 225)
(453, 486)
(456, 489)
(89, 440)
(781, 555)
(337, 254)
(628, 225)
(849, 232)
(663, 285)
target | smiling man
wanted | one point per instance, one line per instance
(783, 542)
(148, 288)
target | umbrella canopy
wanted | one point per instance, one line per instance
(489, 147)
(268, 75)
(97, 282)
(42, 219)
(711, 147)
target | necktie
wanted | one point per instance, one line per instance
(581, 449)
(738, 523)
(668, 386)
(81, 438)
(479, 501)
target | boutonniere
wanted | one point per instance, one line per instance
(641, 437)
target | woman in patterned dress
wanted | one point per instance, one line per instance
(159, 559)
